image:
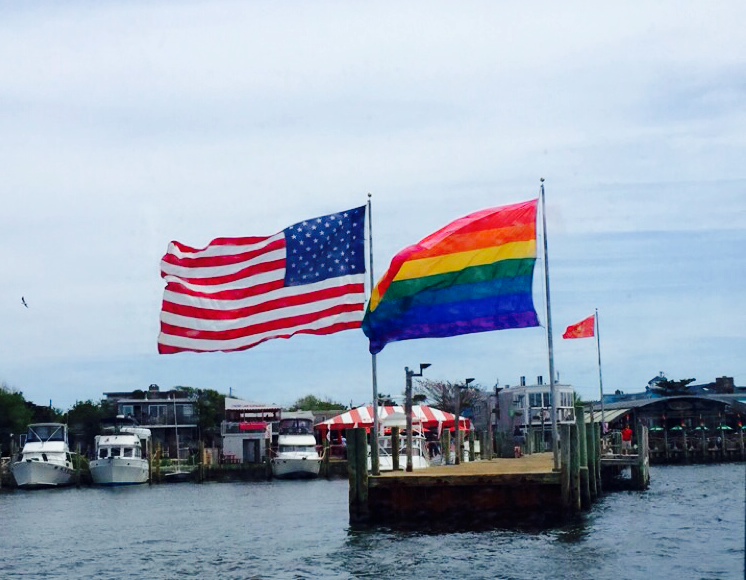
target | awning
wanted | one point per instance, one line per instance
(422, 416)
(609, 415)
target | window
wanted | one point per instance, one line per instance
(535, 399)
(128, 410)
(127, 452)
(157, 411)
(103, 453)
(115, 451)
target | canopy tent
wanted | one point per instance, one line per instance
(422, 416)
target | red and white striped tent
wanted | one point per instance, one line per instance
(426, 417)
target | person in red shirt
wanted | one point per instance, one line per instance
(626, 440)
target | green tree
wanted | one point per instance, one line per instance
(84, 423)
(210, 408)
(313, 403)
(15, 415)
(442, 394)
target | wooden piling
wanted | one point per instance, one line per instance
(395, 446)
(590, 430)
(597, 442)
(77, 468)
(445, 446)
(326, 452)
(585, 488)
(357, 470)
(641, 472)
(471, 445)
(157, 460)
(574, 469)
(565, 467)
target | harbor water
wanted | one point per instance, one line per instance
(690, 524)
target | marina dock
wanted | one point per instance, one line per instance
(513, 491)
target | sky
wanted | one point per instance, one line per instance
(127, 125)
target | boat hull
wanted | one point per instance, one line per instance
(41, 474)
(296, 467)
(119, 471)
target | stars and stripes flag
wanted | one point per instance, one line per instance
(238, 292)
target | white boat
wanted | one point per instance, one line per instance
(297, 456)
(45, 459)
(121, 455)
(385, 447)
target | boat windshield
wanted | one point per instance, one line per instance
(290, 448)
(40, 433)
(296, 427)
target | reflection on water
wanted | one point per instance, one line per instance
(689, 524)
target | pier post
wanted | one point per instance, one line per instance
(157, 460)
(641, 473)
(445, 446)
(590, 431)
(201, 473)
(471, 445)
(585, 487)
(740, 442)
(565, 467)
(575, 468)
(357, 471)
(597, 442)
(77, 469)
(326, 447)
(395, 448)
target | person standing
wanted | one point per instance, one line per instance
(626, 440)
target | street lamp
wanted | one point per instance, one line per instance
(457, 421)
(408, 409)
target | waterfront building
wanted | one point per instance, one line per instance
(248, 430)
(170, 415)
(529, 408)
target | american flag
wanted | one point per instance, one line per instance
(238, 292)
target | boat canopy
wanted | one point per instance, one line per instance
(423, 416)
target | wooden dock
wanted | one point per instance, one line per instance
(522, 491)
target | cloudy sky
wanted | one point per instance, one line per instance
(127, 125)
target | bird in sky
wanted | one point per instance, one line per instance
(23, 301)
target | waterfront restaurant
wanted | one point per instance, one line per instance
(247, 430)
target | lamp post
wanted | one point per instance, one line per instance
(408, 409)
(457, 419)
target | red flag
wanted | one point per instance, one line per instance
(239, 292)
(583, 329)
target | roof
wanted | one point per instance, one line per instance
(426, 417)
(608, 415)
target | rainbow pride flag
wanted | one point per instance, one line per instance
(474, 275)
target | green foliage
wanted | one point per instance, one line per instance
(84, 422)
(442, 394)
(313, 403)
(210, 408)
(15, 415)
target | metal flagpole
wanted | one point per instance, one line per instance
(600, 377)
(374, 462)
(550, 348)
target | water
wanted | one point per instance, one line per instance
(689, 524)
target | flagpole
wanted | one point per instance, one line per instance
(600, 377)
(550, 348)
(374, 462)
